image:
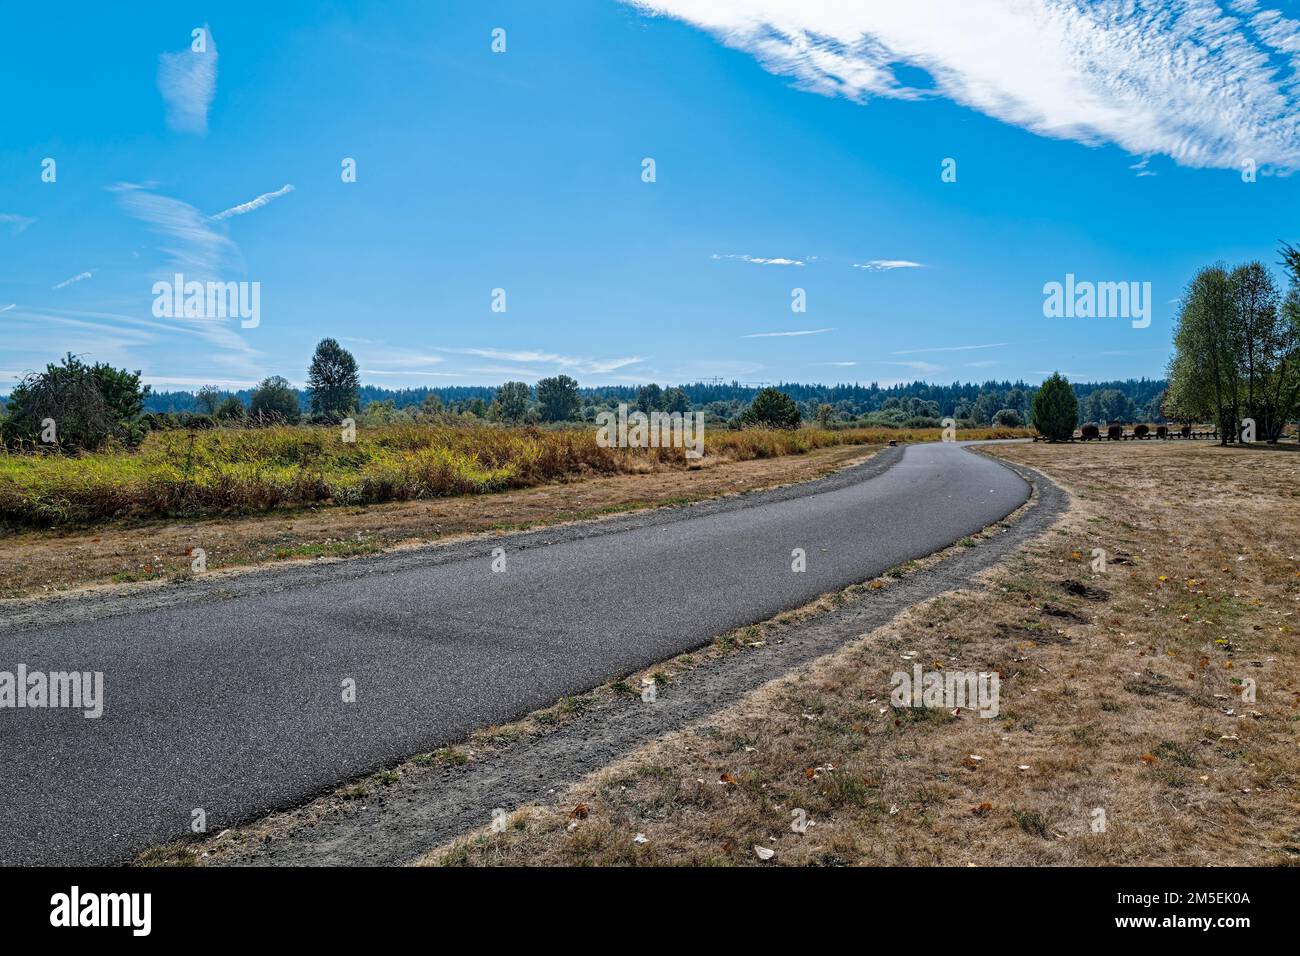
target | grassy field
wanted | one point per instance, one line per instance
(238, 471)
(1122, 692)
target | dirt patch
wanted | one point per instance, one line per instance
(1029, 636)
(43, 562)
(1079, 589)
(1051, 610)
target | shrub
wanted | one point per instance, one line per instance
(277, 400)
(89, 406)
(922, 421)
(1055, 409)
(232, 409)
(772, 409)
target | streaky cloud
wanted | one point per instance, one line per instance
(952, 348)
(192, 244)
(777, 335)
(758, 260)
(252, 204)
(887, 265)
(16, 222)
(79, 277)
(188, 83)
(1187, 79)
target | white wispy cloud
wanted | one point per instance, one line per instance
(885, 265)
(188, 83)
(1186, 79)
(130, 341)
(504, 372)
(590, 366)
(191, 243)
(925, 368)
(193, 247)
(16, 222)
(777, 335)
(837, 364)
(952, 348)
(408, 371)
(384, 360)
(400, 358)
(252, 204)
(80, 276)
(186, 382)
(758, 260)
(1141, 167)
(6, 308)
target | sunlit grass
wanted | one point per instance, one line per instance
(178, 473)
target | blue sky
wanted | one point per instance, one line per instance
(796, 145)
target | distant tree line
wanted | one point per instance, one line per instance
(559, 398)
(97, 404)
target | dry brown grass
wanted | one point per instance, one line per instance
(1121, 696)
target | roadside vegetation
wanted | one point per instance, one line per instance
(233, 471)
(78, 447)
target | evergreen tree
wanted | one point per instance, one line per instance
(1056, 410)
(332, 380)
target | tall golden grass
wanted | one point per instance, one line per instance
(177, 473)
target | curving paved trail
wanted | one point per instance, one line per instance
(227, 696)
